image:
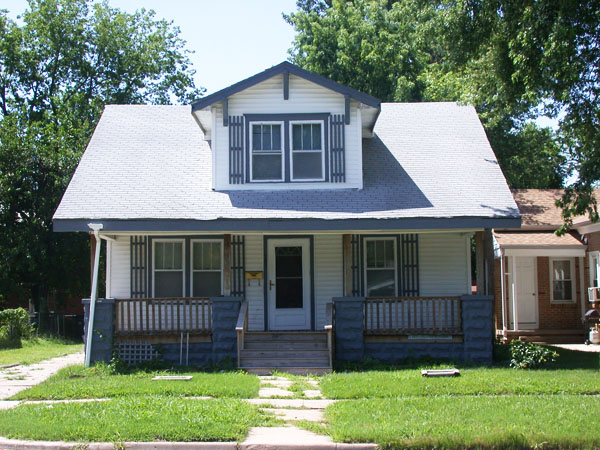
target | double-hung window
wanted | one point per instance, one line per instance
(207, 268)
(266, 151)
(563, 280)
(380, 267)
(168, 268)
(308, 151)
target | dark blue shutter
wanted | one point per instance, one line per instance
(138, 257)
(409, 265)
(356, 265)
(238, 258)
(236, 149)
(338, 145)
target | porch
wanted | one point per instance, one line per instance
(203, 331)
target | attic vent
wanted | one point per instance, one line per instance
(236, 149)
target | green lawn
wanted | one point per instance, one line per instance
(565, 421)
(493, 407)
(134, 418)
(96, 382)
(36, 350)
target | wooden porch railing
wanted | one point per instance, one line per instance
(413, 315)
(154, 316)
(329, 331)
(241, 328)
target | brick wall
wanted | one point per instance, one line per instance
(551, 315)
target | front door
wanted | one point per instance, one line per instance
(525, 289)
(288, 284)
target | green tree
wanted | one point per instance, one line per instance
(58, 69)
(412, 50)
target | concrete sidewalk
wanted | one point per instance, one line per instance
(18, 378)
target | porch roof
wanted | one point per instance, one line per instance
(428, 166)
(542, 243)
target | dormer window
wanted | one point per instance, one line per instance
(308, 151)
(266, 150)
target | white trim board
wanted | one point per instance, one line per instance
(541, 251)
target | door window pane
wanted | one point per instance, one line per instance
(288, 277)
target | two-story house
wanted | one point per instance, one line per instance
(287, 221)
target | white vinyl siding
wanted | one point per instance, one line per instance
(443, 265)
(329, 270)
(120, 269)
(305, 97)
(255, 293)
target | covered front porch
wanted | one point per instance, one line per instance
(540, 293)
(281, 301)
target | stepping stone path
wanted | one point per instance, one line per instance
(309, 408)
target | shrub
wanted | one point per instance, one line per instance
(525, 355)
(14, 325)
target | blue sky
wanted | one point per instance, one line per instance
(232, 39)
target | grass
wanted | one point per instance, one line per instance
(565, 421)
(97, 382)
(493, 407)
(574, 373)
(135, 418)
(36, 350)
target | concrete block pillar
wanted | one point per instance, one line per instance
(477, 324)
(102, 339)
(225, 312)
(349, 328)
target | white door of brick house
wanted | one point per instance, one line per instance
(526, 292)
(288, 284)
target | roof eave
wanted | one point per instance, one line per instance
(279, 69)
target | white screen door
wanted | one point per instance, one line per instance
(288, 284)
(526, 293)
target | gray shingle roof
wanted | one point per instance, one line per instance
(427, 160)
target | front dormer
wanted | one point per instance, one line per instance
(286, 128)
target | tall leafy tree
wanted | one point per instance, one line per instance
(58, 68)
(413, 50)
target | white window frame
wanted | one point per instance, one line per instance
(382, 238)
(591, 256)
(192, 270)
(292, 151)
(282, 151)
(182, 270)
(572, 279)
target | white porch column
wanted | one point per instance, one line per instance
(582, 290)
(94, 294)
(514, 294)
(503, 294)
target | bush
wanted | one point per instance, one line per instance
(14, 325)
(525, 355)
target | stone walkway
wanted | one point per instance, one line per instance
(18, 378)
(592, 348)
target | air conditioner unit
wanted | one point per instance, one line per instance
(594, 294)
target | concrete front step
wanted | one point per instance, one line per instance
(284, 363)
(285, 354)
(286, 336)
(293, 370)
(285, 345)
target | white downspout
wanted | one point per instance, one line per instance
(95, 227)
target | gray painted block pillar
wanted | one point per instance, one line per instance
(102, 339)
(477, 325)
(225, 312)
(349, 332)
